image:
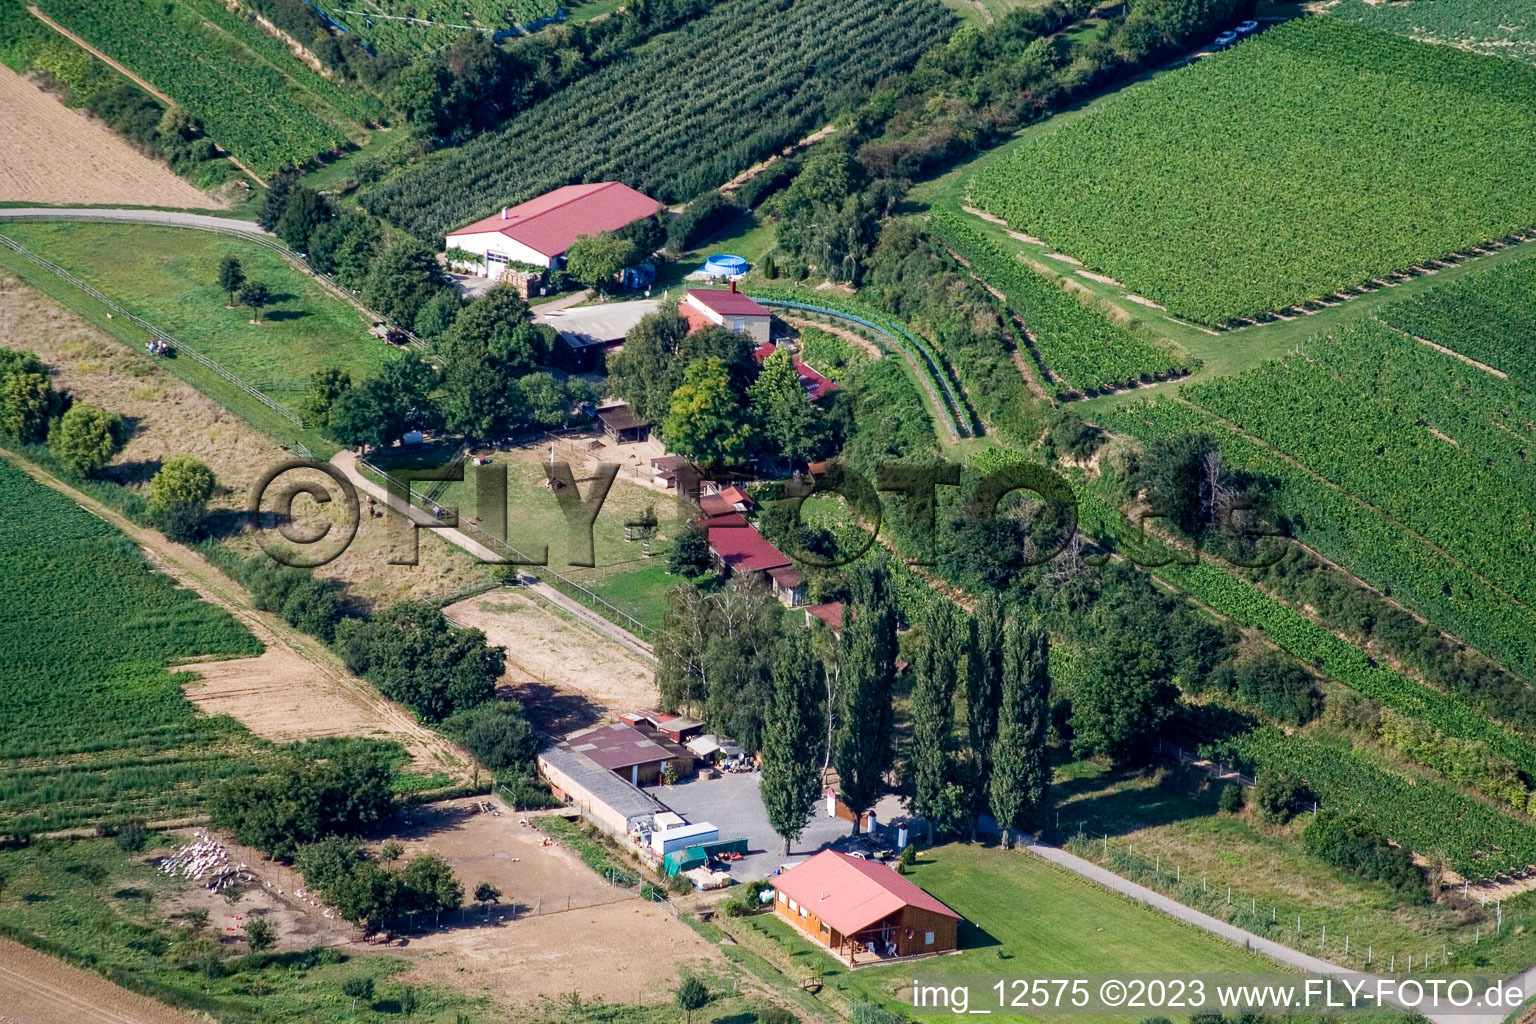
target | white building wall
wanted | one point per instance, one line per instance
(486, 243)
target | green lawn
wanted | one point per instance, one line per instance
(533, 514)
(1166, 832)
(169, 276)
(642, 593)
(1024, 916)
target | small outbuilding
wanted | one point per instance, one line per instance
(728, 308)
(622, 425)
(861, 911)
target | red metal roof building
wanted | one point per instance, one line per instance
(625, 750)
(862, 911)
(738, 547)
(728, 308)
(541, 230)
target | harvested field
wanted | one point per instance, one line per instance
(36, 989)
(52, 154)
(568, 675)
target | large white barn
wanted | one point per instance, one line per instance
(540, 231)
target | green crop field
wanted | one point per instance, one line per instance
(1490, 317)
(1436, 445)
(1024, 916)
(1499, 28)
(416, 26)
(169, 276)
(268, 109)
(96, 726)
(1082, 347)
(1252, 180)
(719, 94)
(1166, 832)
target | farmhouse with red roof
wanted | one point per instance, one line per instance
(728, 308)
(540, 231)
(816, 386)
(861, 911)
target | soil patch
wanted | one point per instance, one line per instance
(52, 154)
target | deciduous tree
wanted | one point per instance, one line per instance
(705, 421)
(86, 438)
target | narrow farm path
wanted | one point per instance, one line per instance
(171, 218)
(329, 684)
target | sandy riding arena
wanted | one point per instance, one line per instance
(567, 674)
(51, 154)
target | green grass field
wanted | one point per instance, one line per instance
(1024, 916)
(1165, 832)
(96, 726)
(641, 593)
(169, 276)
(1250, 180)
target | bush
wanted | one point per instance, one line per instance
(497, 734)
(866, 1012)
(413, 655)
(86, 438)
(1279, 795)
(1345, 842)
(776, 1015)
(131, 837)
(1231, 798)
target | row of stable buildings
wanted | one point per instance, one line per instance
(859, 910)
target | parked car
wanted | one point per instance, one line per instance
(1225, 40)
(1247, 28)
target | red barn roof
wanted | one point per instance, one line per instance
(550, 223)
(830, 613)
(618, 746)
(726, 303)
(741, 547)
(852, 894)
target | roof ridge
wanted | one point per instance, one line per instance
(599, 187)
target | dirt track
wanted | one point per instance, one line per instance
(35, 989)
(51, 154)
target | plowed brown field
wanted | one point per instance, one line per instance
(51, 154)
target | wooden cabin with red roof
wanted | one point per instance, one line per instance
(861, 911)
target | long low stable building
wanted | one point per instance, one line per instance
(615, 805)
(589, 334)
(861, 911)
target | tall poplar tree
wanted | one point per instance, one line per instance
(869, 669)
(792, 737)
(1020, 766)
(937, 666)
(983, 695)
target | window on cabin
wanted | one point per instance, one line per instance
(793, 905)
(783, 898)
(927, 938)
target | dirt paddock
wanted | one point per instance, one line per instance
(610, 944)
(567, 675)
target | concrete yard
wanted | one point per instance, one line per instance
(734, 805)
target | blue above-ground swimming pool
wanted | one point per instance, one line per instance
(726, 266)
